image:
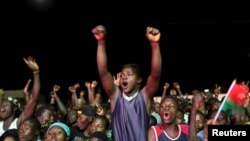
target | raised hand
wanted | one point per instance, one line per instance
(81, 99)
(72, 89)
(166, 86)
(99, 32)
(217, 90)
(98, 98)
(31, 63)
(87, 84)
(99, 110)
(176, 85)
(178, 88)
(26, 87)
(1, 92)
(153, 34)
(245, 85)
(56, 88)
(117, 79)
(52, 94)
(82, 93)
(93, 84)
(77, 85)
(93, 97)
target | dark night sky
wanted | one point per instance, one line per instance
(200, 46)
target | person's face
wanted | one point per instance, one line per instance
(72, 116)
(46, 118)
(56, 134)
(221, 120)
(6, 109)
(98, 125)
(94, 139)
(239, 116)
(129, 80)
(100, 111)
(82, 122)
(26, 131)
(179, 117)
(9, 139)
(215, 106)
(156, 107)
(199, 122)
(168, 111)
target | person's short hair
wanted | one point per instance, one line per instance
(175, 100)
(41, 110)
(88, 110)
(13, 101)
(212, 100)
(135, 67)
(13, 133)
(103, 118)
(35, 122)
(100, 135)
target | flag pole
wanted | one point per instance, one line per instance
(224, 100)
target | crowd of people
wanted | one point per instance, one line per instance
(129, 114)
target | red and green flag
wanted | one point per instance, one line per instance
(235, 98)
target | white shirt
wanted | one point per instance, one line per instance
(13, 125)
(130, 97)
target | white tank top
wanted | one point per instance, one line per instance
(13, 125)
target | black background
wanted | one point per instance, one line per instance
(202, 43)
